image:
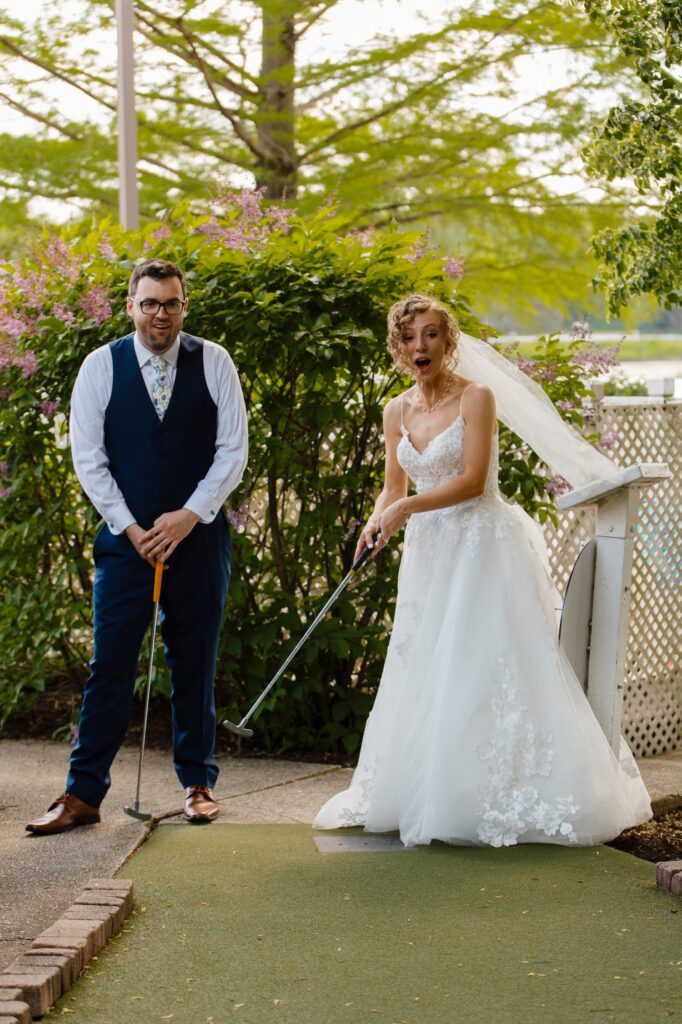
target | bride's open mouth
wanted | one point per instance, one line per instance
(422, 364)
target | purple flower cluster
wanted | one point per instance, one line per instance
(49, 408)
(416, 253)
(12, 325)
(62, 313)
(244, 235)
(580, 331)
(454, 267)
(107, 250)
(25, 295)
(61, 259)
(27, 363)
(597, 360)
(249, 201)
(96, 304)
(537, 371)
(526, 366)
(255, 223)
(162, 232)
(33, 286)
(239, 517)
(608, 442)
(557, 485)
(238, 236)
(365, 236)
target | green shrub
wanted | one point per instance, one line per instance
(302, 311)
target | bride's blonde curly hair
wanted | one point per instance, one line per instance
(403, 313)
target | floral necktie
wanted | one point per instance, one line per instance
(161, 389)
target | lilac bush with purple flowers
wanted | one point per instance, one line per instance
(564, 370)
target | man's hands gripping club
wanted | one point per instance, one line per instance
(159, 543)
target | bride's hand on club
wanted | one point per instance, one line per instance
(392, 519)
(366, 539)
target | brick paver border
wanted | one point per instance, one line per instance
(669, 876)
(35, 980)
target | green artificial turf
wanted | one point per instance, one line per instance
(250, 923)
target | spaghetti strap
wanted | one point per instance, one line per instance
(461, 398)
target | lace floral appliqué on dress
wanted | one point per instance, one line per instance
(516, 752)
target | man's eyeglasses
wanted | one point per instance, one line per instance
(150, 307)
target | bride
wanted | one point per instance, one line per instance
(480, 732)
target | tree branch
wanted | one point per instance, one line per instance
(61, 196)
(35, 116)
(240, 70)
(178, 23)
(327, 5)
(8, 45)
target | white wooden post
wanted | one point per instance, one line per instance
(598, 637)
(127, 126)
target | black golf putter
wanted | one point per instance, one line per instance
(240, 730)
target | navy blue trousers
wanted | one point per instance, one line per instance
(192, 602)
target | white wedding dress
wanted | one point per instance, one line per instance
(481, 733)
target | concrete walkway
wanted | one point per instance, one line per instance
(40, 877)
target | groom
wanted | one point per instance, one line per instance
(159, 439)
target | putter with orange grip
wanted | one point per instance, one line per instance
(135, 811)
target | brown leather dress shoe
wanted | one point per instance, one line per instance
(65, 813)
(200, 807)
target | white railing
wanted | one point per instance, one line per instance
(649, 429)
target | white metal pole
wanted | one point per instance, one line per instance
(127, 126)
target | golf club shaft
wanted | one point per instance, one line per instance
(342, 586)
(158, 577)
(296, 649)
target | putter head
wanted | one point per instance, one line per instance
(238, 730)
(135, 812)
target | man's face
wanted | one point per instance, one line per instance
(157, 331)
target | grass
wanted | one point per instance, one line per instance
(249, 923)
(631, 350)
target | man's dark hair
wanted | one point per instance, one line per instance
(158, 270)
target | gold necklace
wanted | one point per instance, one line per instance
(432, 408)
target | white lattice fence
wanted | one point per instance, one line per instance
(649, 430)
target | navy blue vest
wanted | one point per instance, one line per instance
(158, 464)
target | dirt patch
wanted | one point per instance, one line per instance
(660, 839)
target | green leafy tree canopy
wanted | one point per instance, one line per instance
(419, 128)
(641, 141)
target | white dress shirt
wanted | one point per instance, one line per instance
(89, 400)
